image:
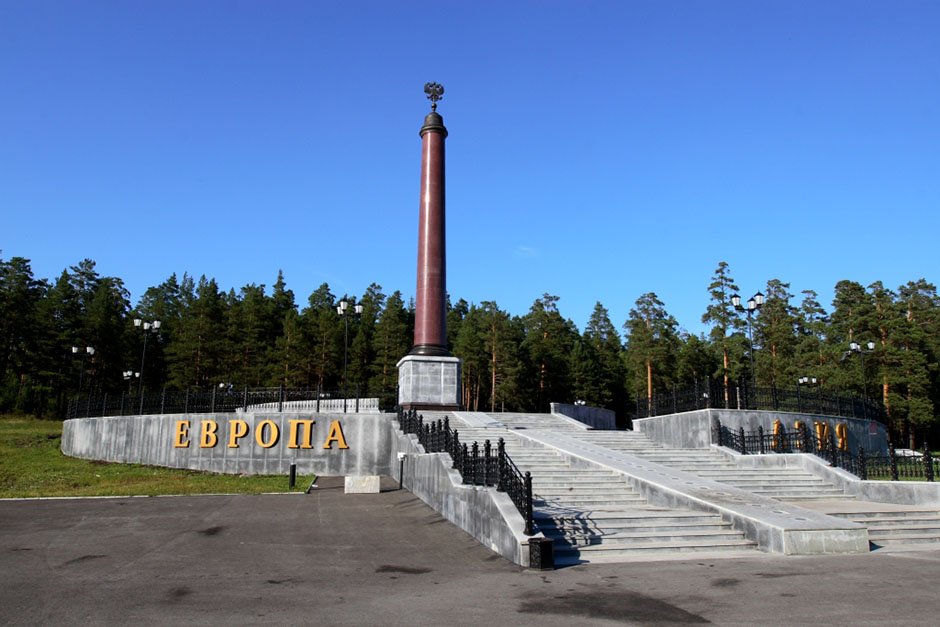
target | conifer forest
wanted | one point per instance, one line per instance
(75, 334)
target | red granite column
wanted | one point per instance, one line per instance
(430, 314)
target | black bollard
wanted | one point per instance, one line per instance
(293, 476)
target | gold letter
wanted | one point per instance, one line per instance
(259, 433)
(209, 437)
(182, 434)
(237, 429)
(335, 435)
(842, 434)
(294, 433)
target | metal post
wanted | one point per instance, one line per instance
(186, 401)
(862, 464)
(528, 505)
(293, 476)
(487, 450)
(245, 399)
(357, 398)
(894, 462)
(280, 398)
(760, 438)
(163, 401)
(743, 449)
(928, 464)
(212, 401)
(122, 403)
(501, 466)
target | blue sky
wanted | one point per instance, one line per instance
(597, 150)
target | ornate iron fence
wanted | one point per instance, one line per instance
(218, 400)
(893, 467)
(713, 394)
(477, 465)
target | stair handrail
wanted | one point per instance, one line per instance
(475, 467)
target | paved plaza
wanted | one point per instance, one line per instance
(329, 558)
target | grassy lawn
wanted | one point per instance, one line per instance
(31, 464)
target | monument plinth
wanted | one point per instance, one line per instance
(429, 376)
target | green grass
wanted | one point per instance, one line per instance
(32, 465)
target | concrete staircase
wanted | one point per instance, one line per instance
(890, 525)
(592, 513)
(786, 484)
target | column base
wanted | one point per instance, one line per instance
(429, 383)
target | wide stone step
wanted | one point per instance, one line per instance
(553, 528)
(645, 537)
(891, 516)
(811, 497)
(578, 483)
(636, 517)
(583, 490)
(889, 531)
(908, 538)
(598, 502)
(604, 551)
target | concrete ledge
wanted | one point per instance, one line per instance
(584, 416)
(489, 516)
(362, 485)
(693, 429)
(775, 526)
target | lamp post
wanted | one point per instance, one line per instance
(754, 303)
(129, 376)
(89, 350)
(343, 310)
(148, 327)
(855, 347)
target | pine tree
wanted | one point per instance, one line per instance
(651, 345)
(549, 339)
(393, 339)
(725, 322)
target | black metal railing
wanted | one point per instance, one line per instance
(712, 394)
(477, 464)
(892, 467)
(218, 400)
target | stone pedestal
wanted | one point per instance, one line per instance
(429, 382)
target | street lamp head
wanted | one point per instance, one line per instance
(156, 325)
(343, 304)
(853, 346)
(74, 350)
(736, 300)
(146, 326)
(339, 310)
(358, 309)
(871, 346)
(759, 299)
(138, 322)
(90, 350)
(751, 304)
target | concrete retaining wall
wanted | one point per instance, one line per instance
(150, 440)
(693, 429)
(594, 417)
(373, 441)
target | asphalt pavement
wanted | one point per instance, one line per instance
(331, 558)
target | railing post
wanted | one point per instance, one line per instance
(487, 450)
(862, 464)
(212, 401)
(501, 465)
(743, 449)
(280, 398)
(718, 428)
(528, 504)
(474, 460)
(122, 403)
(245, 399)
(186, 401)
(675, 392)
(163, 401)
(894, 462)
(928, 463)
(760, 438)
